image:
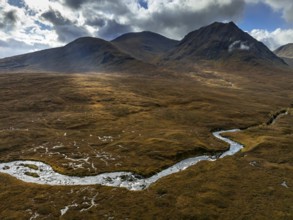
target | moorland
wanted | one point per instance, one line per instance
(145, 120)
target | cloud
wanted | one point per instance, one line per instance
(8, 20)
(19, 47)
(55, 18)
(65, 29)
(56, 22)
(76, 4)
(95, 21)
(67, 33)
(173, 18)
(10, 17)
(274, 39)
(180, 17)
(113, 29)
(71, 19)
(22, 30)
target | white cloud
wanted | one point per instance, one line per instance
(274, 39)
(65, 20)
(175, 18)
(39, 5)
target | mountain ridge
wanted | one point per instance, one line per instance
(83, 54)
(286, 53)
(223, 43)
(146, 45)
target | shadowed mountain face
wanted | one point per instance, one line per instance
(286, 53)
(133, 52)
(83, 54)
(145, 46)
(222, 41)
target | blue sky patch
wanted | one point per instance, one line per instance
(143, 3)
(17, 3)
(261, 16)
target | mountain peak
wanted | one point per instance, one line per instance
(222, 41)
(221, 25)
(142, 36)
(217, 23)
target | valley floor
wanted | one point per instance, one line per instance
(95, 123)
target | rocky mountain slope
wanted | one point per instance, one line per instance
(222, 42)
(133, 52)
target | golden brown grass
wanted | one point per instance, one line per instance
(153, 121)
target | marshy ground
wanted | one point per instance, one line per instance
(94, 123)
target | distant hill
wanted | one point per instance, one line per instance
(218, 43)
(146, 46)
(222, 42)
(82, 55)
(286, 53)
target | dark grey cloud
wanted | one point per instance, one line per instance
(67, 33)
(178, 22)
(102, 14)
(10, 16)
(75, 4)
(96, 21)
(160, 16)
(112, 6)
(56, 18)
(113, 29)
(8, 20)
(65, 29)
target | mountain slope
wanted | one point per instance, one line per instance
(217, 43)
(286, 53)
(222, 42)
(146, 46)
(83, 54)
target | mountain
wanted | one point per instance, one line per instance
(82, 55)
(286, 53)
(222, 42)
(133, 52)
(146, 46)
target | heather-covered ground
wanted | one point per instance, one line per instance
(94, 123)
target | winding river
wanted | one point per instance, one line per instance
(41, 173)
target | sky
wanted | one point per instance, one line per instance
(31, 25)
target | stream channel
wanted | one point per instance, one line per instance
(44, 174)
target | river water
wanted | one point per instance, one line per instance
(44, 174)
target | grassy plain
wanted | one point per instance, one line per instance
(94, 123)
